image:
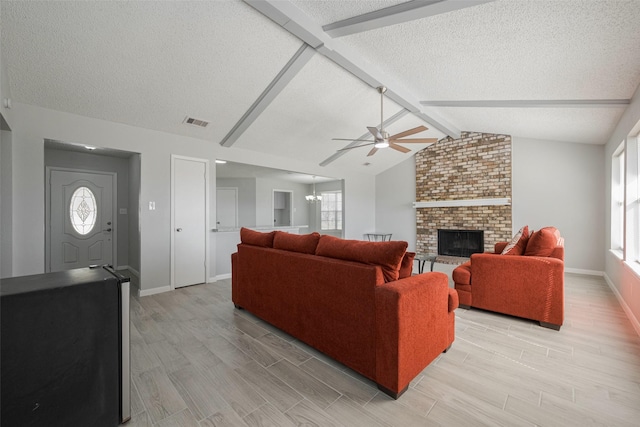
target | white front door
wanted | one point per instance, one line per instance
(189, 221)
(81, 223)
(226, 207)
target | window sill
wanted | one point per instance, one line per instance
(634, 266)
(617, 253)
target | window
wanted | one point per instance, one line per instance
(82, 210)
(331, 210)
(617, 198)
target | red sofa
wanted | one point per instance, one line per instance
(346, 298)
(527, 281)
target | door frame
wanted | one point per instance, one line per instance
(47, 214)
(235, 189)
(207, 224)
(273, 205)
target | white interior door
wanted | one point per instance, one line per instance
(81, 223)
(226, 207)
(189, 231)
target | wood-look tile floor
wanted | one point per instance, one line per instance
(197, 361)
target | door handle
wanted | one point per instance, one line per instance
(108, 230)
(178, 229)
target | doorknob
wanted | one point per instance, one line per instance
(178, 229)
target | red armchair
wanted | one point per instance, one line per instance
(529, 286)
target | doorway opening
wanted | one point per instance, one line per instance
(122, 169)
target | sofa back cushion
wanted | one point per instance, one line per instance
(387, 255)
(543, 242)
(303, 243)
(518, 244)
(406, 266)
(256, 238)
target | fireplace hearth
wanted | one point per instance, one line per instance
(460, 243)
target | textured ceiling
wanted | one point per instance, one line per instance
(151, 63)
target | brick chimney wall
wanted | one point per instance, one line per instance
(475, 166)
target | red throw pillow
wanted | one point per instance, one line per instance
(256, 238)
(518, 244)
(406, 266)
(543, 242)
(304, 243)
(387, 255)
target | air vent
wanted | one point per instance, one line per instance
(195, 122)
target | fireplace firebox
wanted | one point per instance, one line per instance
(460, 243)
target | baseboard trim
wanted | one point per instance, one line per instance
(211, 279)
(153, 291)
(223, 276)
(586, 272)
(627, 310)
(131, 269)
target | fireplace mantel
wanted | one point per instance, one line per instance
(468, 202)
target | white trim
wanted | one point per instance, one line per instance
(467, 202)
(627, 310)
(207, 224)
(223, 276)
(585, 272)
(153, 291)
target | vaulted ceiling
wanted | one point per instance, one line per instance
(285, 77)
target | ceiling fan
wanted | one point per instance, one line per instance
(381, 138)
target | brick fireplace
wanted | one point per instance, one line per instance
(464, 184)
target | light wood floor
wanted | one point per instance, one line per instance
(197, 361)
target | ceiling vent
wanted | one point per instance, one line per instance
(195, 122)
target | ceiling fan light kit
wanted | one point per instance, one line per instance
(381, 138)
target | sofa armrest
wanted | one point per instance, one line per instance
(411, 327)
(525, 286)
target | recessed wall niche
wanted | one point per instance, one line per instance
(474, 167)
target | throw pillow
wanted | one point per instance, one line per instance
(406, 266)
(387, 255)
(518, 244)
(304, 243)
(256, 238)
(543, 242)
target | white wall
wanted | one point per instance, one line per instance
(395, 193)
(32, 125)
(559, 184)
(6, 204)
(623, 280)
(134, 213)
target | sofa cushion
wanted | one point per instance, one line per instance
(387, 255)
(256, 238)
(543, 242)
(406, 266)
(303, 243)
(518, 244)
(462, 274)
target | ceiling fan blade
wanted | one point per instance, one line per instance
(409, 132)
(398, 147)
(356, 146)
(351, 139)
(375, 132)
(372, 152)
(414, 140)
